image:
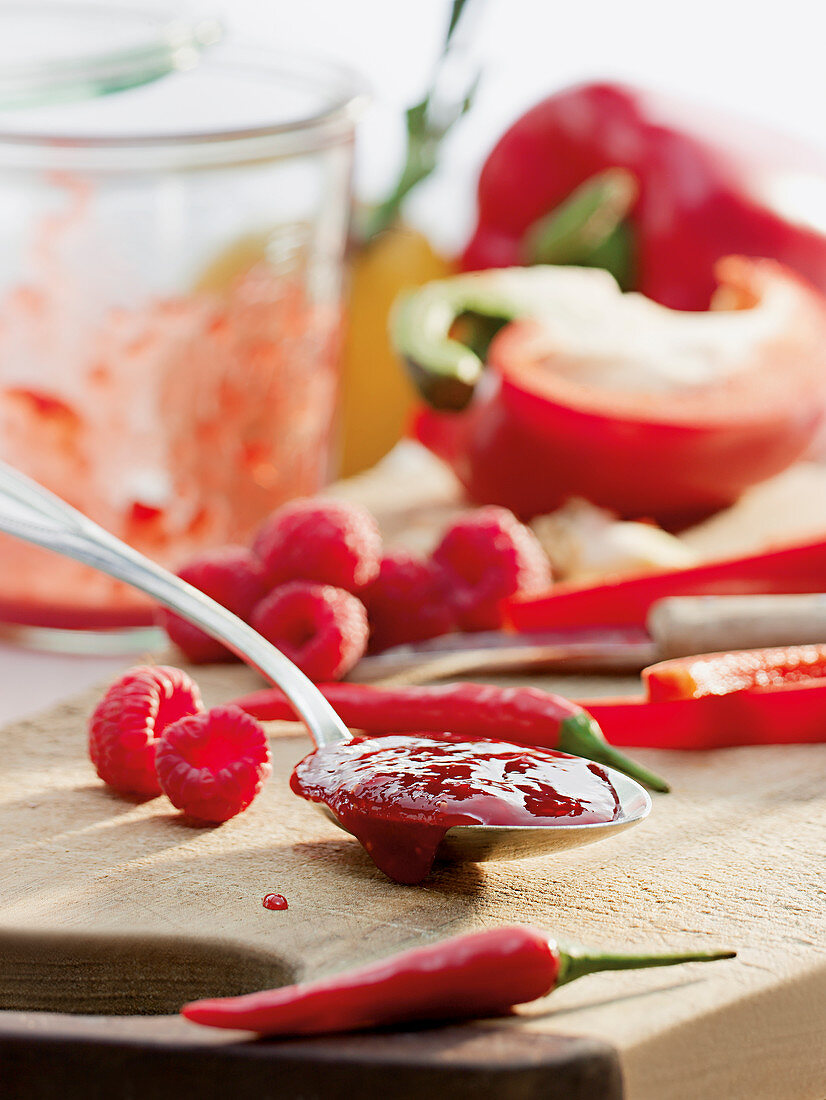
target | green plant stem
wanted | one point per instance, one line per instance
(426, 130)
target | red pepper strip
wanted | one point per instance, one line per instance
(524, 715)
(743, 670)
(720, 700)
(467, 977)
(790, 715)
(626, 601)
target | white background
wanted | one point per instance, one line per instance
(765, 61)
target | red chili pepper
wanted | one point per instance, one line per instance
(535, 418)
(525, 716)
(705, 188)
(721, 700)
(467, 977)
(626, 601)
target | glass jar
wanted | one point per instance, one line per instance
(171, 260)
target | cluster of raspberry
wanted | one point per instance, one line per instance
(316, 583)
(150, 734)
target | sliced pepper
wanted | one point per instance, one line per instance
(588, 392)
(626, 601)
(743, 670)
(721, 700)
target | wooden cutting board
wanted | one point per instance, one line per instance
(118, 910)
(115, 906)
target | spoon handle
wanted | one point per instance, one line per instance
(32, 513)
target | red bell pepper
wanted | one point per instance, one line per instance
(626, 601)
(706, 186)
(722, 700)
(547, 417)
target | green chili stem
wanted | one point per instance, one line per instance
(581, 736)
(575, 963)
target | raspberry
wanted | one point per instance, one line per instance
(127, 722)
(327, 541)
(321, 629)
(407, 602)
(213, 765)
(232, 576)
(487, 557)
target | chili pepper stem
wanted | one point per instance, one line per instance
(575, 962)
(581, 736)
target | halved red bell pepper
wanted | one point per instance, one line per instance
(626, 601)
(721, 700)
(704, 186)
(587, 392)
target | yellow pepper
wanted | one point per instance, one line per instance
(376, 395)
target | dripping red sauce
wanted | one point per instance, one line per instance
(274, 901)
(399, 794)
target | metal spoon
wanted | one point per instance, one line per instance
(32, 513)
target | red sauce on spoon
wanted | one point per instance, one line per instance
(400, 794)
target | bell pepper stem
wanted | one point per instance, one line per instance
(576, 962)
(589, 229)
(443, 369)
(581, 736)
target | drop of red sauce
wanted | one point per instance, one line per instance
(274, 901)
(400, 794)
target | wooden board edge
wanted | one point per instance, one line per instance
(102, 1058)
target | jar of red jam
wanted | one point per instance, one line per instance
(173, 214)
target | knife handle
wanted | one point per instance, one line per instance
(684, 625)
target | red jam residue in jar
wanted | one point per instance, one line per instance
(176, 420)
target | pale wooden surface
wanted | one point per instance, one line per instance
(156, 911)
(734, 857)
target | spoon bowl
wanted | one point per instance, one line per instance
(480, 843)
(32, 513)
